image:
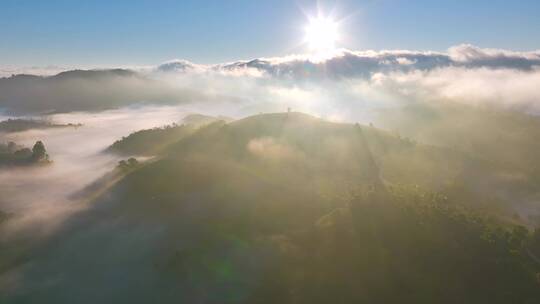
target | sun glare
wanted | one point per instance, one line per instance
(321, 34)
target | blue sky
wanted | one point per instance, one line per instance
(135, 32)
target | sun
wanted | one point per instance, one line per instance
(321, 34)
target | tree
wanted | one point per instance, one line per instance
(133, 162)
(38, 151)
(122, 165)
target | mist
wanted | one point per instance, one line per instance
(468, 105)
(77, 160)
(156, 97)
(349, 87)
(342, 86)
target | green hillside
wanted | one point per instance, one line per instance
(510, 138)
(331, 156)
(151, 142)
(288, 208)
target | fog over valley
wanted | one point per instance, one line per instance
(311, 152)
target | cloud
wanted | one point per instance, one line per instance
(48, 196)
(176, 65)
(336, 86)
(346, 63)
(508, 88)
(472, 56)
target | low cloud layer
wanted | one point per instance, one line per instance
(508, 88)
(43, 196)
(351, 64)
(347, 82)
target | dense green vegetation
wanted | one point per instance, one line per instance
(151, 142)
(412, 247)
(13, 154)
(18, 125)
(508, 142)
(200, 120)
(288, 208)
(510, 138)
(128, 165)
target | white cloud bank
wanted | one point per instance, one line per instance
(43, 196)
(354, 64)
(344, 83)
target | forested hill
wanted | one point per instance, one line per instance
(289, 208)
(12, 154)
(19, 124)
(151, 142)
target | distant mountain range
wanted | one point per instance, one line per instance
(77, 90)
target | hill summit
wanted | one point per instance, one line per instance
(290, 208)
